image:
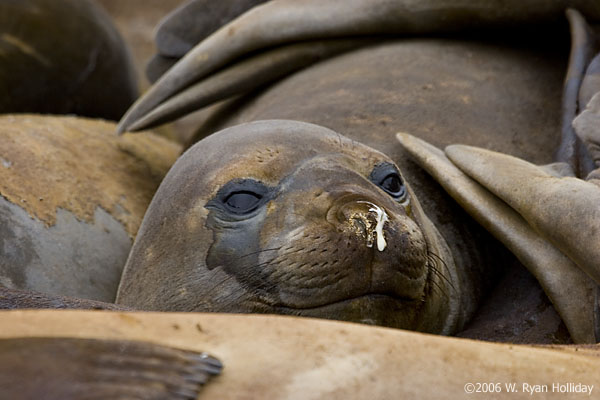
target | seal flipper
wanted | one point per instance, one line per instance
(591, 82)
(563, 210)
(193, 21)
(69, 368)
(158, 65)
(583, 48)
(569, 289)
(246, 75)
(187, 25)
(587, 127)
(280, 22)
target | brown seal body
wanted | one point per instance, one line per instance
(499, 94)
(275, 357)
(292, 218)
(72, 196)
(63, 57)
(496, 94)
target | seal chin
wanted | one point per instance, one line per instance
(373, 309)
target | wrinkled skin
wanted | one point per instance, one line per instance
(308, 248)
(499, 89)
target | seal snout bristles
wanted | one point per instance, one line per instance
(381, 218)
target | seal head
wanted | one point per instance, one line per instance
(291, 218)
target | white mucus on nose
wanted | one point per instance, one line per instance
(381, 217)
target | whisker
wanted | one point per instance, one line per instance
(432, 262)
(438, 260)
(436, 285)
(258, 252)
(218, 285)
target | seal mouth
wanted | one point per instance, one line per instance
(372, 309)
(371, 298)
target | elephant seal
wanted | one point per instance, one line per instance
(495, 89)
(508, 75)
(72, 197)
(292, 218)
(272, 357)
(277, 23)
(63, 57)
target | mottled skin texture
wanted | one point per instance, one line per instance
(302, 252)
(77, 164)
(72, 197)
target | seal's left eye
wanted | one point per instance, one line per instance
(393, 185)
(242, 202)
(387, 177)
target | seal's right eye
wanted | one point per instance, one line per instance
(241, 197)
(242, 202)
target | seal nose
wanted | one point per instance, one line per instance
(365, 219)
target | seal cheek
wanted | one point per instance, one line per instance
(403, 268)
(236, 247)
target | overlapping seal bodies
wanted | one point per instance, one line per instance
(289, 217)
(501, 95)
(72, 197)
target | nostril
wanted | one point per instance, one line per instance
(365, 219)
(381, 218)
(360, 225)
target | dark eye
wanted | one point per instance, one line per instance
(241, 197)
(393, 185)
(242, 202)
(386, 176)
